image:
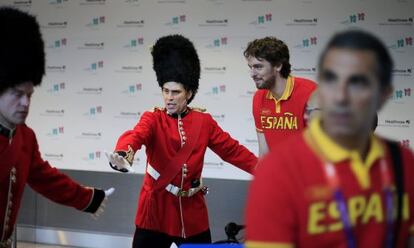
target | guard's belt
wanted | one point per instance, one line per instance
(177, 191)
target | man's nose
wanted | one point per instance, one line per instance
(25, 100)
(341, 93)
(252, 72)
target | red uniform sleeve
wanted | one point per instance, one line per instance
(140, 135)
(270, 214)
(58, 187)
(257, 99)
(229, 149)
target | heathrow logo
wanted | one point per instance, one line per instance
(92, 2)
(93, 111)
(215, 69)
(217, 43)
(128, 115)
(96, 22)
(92, 45)
(92, 156)
(354, 18)
(22, 4)
(55, 25)
(57, 3)
(58, 44)
(214, 23)
(130, 69)
(53, 112)
(304, 70)
(56, 68)
(56, 132)
(90, 135)
(216, 90)
(303, 22)
(262, 20)
(90, 91)
(134, 44)
(132, 90)
(176, 21)
(307, 43)
(137, 23)
(56, 88)
(398, 21)
(397, 123)
(401, 94)
(53, 156)
(401, 44)
(132, 2)
(402, 72)
(95, 66)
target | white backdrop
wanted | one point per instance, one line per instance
(100, 79)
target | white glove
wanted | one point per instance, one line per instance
(109, 192)
(117, 162)
(101, 208)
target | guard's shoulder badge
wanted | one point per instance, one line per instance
(154, 109)
(202, 110)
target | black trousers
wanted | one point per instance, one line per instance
(149, 239)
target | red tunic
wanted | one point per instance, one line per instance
(278, 119)
(159, 132)
(22, 164)
(291, 205)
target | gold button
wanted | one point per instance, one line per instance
(184, 138)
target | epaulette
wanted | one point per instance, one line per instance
(157, 108)
(202, 110)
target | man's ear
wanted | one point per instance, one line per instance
(278, 67)
(189, 94)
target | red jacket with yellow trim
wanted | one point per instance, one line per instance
(291, 205)
(159, 132)
(22, 164)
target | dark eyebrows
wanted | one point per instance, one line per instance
(173, 91)
(327, 74)
(358, 78)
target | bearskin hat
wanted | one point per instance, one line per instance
(22, 55)
(175, 60)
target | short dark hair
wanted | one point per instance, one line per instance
(271, 49)
(22, 55)
(362, 40)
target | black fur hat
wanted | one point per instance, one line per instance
(22, 55)
(175, 60)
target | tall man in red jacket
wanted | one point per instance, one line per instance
(279, 104)
(171, 205)
(22, 66)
